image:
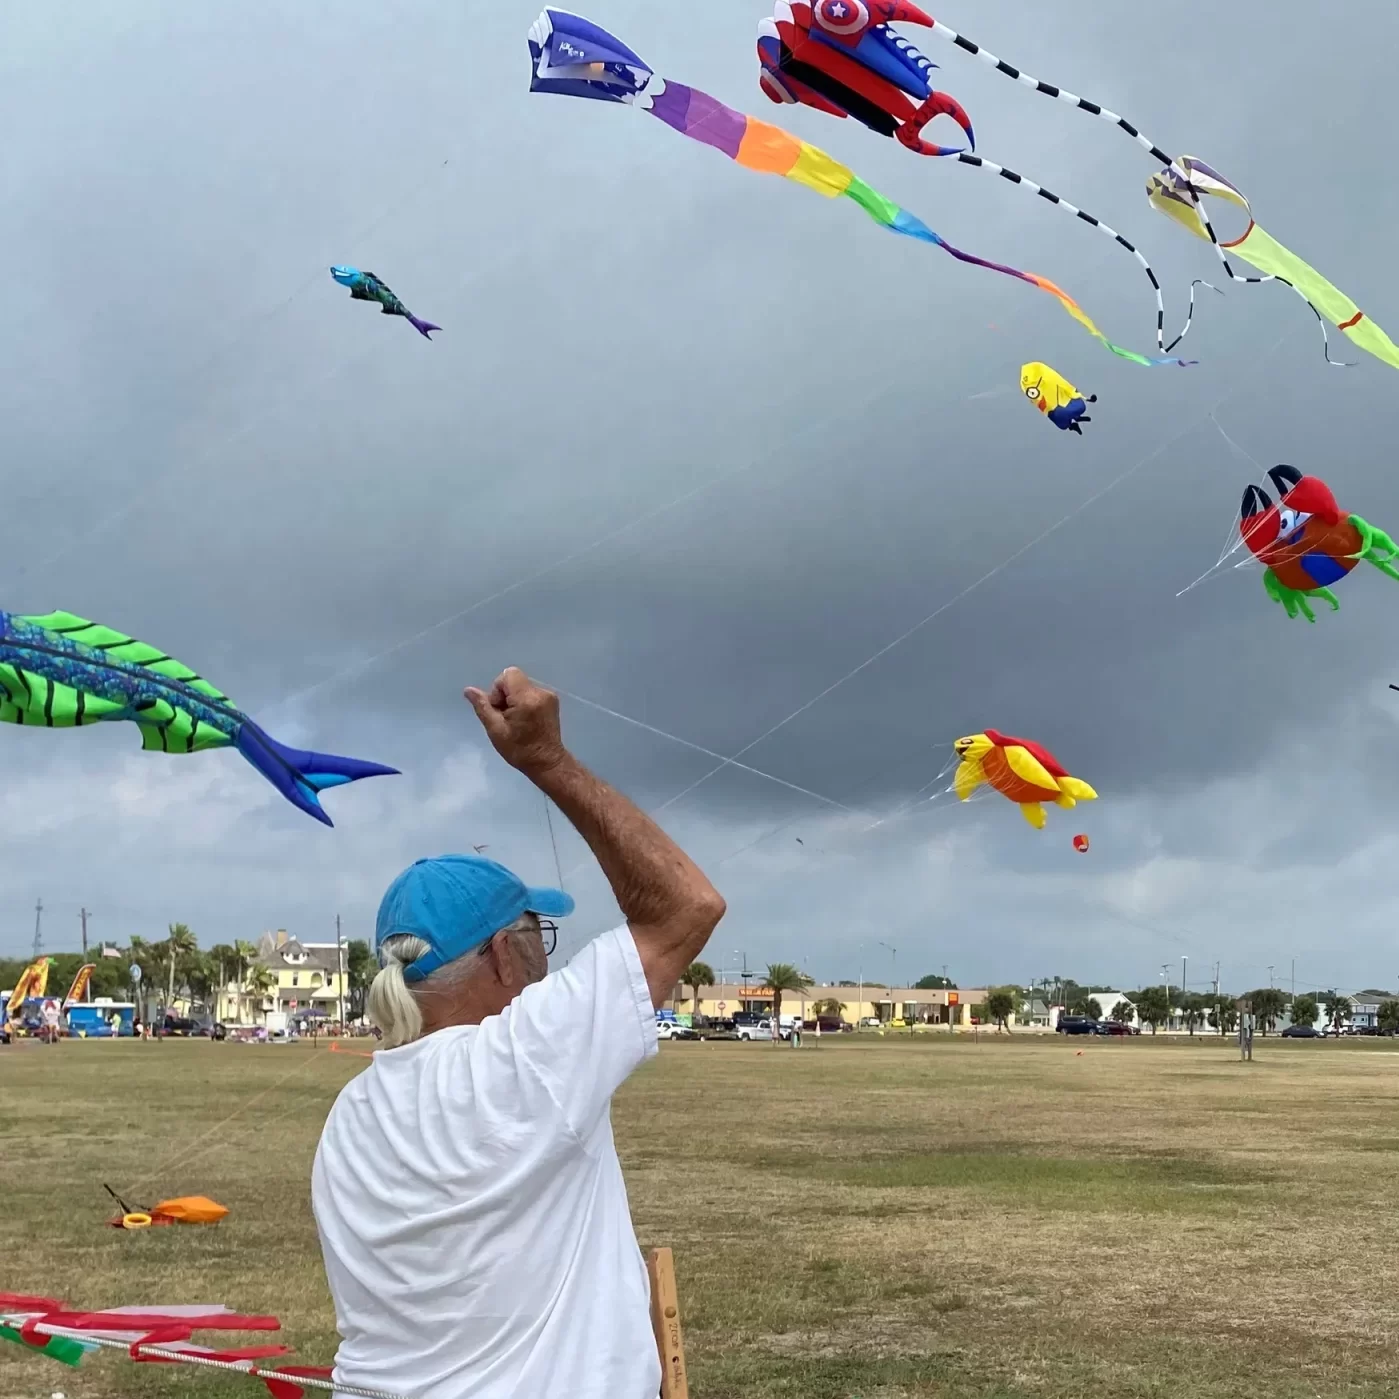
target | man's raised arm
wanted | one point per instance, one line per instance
(670, 906)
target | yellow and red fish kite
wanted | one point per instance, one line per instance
(1018, 769)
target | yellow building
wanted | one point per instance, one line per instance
(308, 982)
(906, 1004)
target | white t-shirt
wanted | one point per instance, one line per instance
(471, 1207)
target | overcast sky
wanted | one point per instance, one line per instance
(693, 445)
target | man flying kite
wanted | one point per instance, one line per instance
(471, 1208)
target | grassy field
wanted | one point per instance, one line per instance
(874, 1219)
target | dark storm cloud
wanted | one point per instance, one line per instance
(694, 446)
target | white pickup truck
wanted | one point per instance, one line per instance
(674, 1030)
(752, 1027)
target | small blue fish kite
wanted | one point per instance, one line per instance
(60, 671)
(365, 286)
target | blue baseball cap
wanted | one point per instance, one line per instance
(455, 903)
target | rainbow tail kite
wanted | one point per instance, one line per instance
(575, 58)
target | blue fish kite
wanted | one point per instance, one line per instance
(60, 671)
(365, 286)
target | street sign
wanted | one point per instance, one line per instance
(952, 998)
(723, 1006)
(135, 974)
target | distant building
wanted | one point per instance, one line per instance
(308, 982)
(908, 1004)
(1365, 1008)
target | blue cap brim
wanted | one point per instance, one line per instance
(549, 903)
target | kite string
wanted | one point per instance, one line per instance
(262, 417)
(646, 517)
(698, 748)
(549, 819)
(918, 626)
(970, 588)
(189, 1152)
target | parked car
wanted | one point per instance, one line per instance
(1301, 1032)
(752, 1027)
(1076, 1025)
(674, 1030)
(827, 1024)
(871, 1022)
(178, 1025)
(1113, 1028)
(718, 1029)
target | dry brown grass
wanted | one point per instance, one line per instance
(874, 1219)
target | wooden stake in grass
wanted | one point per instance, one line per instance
(665, 1320)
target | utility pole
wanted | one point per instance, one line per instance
(1270, 975)
(1294, 978)
(87, 990)
(1182, 977)
(38, 930)
(1216, 981)
(340, 958)
(893, 973)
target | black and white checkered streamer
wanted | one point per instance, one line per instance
(1049, 90)
(981, 163)
(1199, 207)
(1098, 110)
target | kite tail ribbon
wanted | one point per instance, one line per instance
(756, 145)
(576, 58)
(1179, 192)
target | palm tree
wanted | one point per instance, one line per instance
(694, 976)
(830, 1007)
(1337, 1008)
(780, 977)
(1153, 1006)
(1192, 1010)
(1000, 1005)
(1225, 1015)
(360, 970)
(201, 976)
(180, 943)
(245, 952)
(259, 982)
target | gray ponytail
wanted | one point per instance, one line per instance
(393, 1005)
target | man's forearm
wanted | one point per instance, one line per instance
(653, 880)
